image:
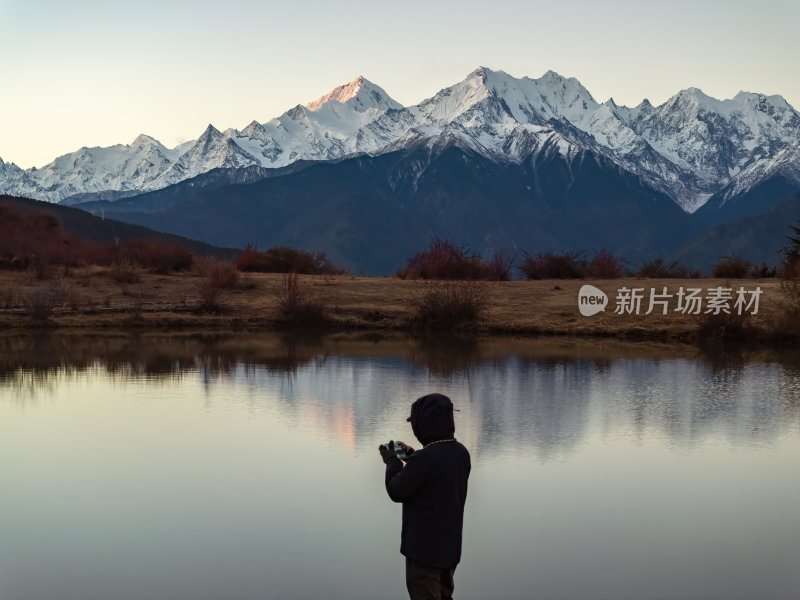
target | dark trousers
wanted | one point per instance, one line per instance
(429, 583)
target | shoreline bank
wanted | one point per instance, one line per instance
(92, 299)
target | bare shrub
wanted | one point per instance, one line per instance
(222, 273)
(444, 259)
(724, 327)
(209, 296)
(123, 271)
(658, 268)
(450, 305)
(40, 304)
(217, 276)
(732, 267)
(283, 259)
(295, 305)
(499, 265)
(166, 258)
(605, 265)
(554, 265)
(763, 271)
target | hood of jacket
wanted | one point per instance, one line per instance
(432, 418)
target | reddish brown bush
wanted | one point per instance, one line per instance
(552, 265)
(156, 257)
(659, 269)
(499, 266)
(123, 272)
(445, 260)
(283, 259)
(37, 240)
(33, 240)
(450, 305)
(166, 258)
(605, 265)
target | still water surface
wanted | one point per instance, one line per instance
(244, 468)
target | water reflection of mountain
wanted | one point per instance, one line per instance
(546, 395)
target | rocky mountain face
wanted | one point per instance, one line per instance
(692, 148)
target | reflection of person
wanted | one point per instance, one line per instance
(433, 488)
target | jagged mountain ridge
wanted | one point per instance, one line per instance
(691, 147)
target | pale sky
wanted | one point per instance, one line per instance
(97, 73)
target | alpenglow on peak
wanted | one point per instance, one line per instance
(361, 94)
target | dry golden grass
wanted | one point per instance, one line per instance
(91, 298)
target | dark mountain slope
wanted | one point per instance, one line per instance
(757, 238)
(96, 229)
(160, 199)
(756, 201)
(372, 213)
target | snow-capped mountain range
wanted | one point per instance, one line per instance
(690, 147)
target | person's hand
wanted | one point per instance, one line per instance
(409, 450)
(387, 451)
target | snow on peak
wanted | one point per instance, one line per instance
(360, 94)
(142, 140)
(451, 102)
(254, 130)
(694, 93)
(297, 113)
(693, 101)
(552, 96)
(480, 73)
(552, 76)
(759, 102)
(688, 146)
(210, 132)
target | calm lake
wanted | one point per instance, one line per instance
(246, 467)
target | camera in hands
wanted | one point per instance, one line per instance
(396, 448)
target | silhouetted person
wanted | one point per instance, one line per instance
(432, 486)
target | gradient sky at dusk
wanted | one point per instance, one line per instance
(90, 73)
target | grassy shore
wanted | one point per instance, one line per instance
(95, 297)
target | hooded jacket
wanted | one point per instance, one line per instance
(432, 486)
